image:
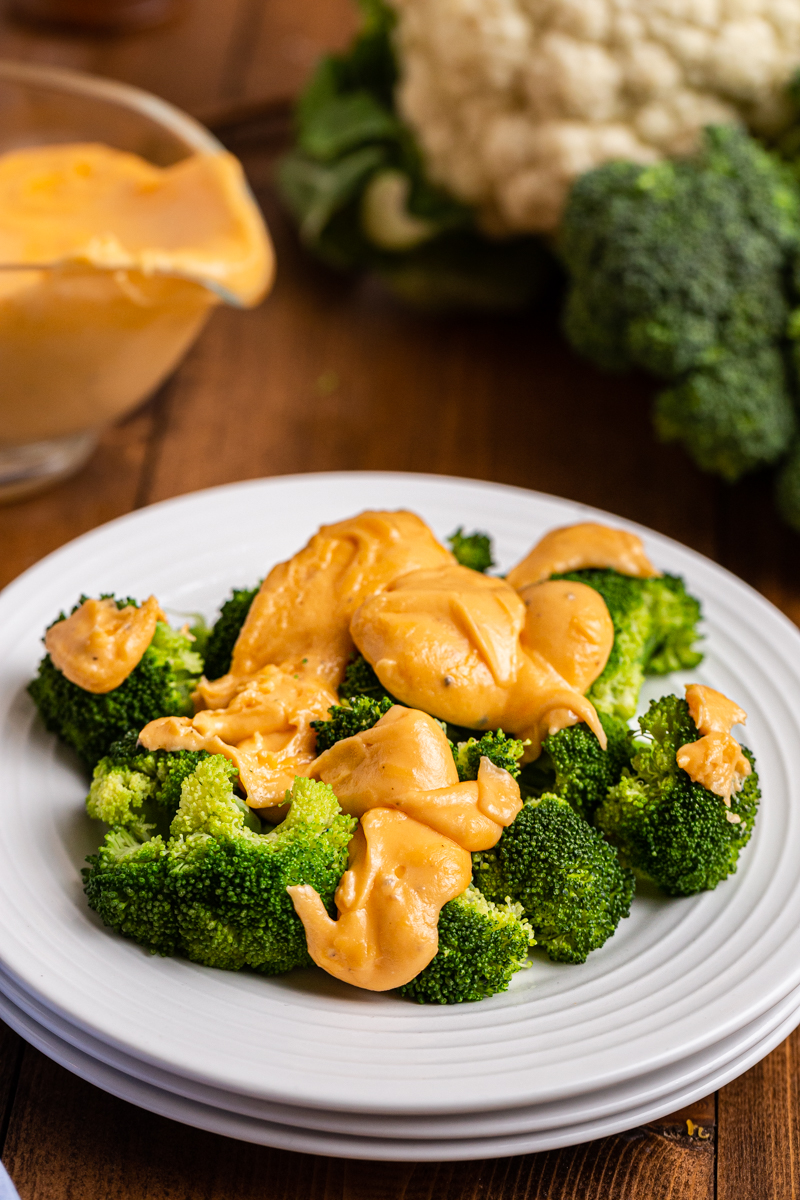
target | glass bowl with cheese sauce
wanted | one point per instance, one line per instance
(123, 223)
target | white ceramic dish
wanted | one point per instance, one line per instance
(337, 1145)
(651, 1091)
(678, 977)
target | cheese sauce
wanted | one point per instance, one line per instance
(99, 645)
(715, 760)
(576, 547)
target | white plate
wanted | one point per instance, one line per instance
(285, 1137)
(651, 1090)
(678, 977)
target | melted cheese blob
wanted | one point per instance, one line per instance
(301, 615)
(576, 547)
(264, 728)
(110, 268)
(715, 760)
(99, 645)
(404, 762)
(400, 875)
(449, 641)
(570, 625)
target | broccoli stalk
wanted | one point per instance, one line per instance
(160, 685)
(667, 828)
(567, 879)
(215, 889)
(682, 268)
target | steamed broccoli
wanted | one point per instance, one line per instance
(138, 789)
(472, 550)
(681, 267)
(669, 829)
(160, 685)
(655, 628)
(574, 766)
(566, 877)
(356, 185)
(215, 890)
(362, 713)
(481, 946)
(501, 750)
(361, 680)
(225, 631)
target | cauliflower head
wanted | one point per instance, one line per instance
(511, 100)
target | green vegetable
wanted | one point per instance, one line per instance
(669, 829)
(574, 766)
(481, 946)
(501, 750)
(160, 685)
(361, 680)
(356, 185)
(655, 629)
(225, 631)
(214, 891)
(346, 721)
(566, 877)
(472, 550)
(681, 268)
(138, 789)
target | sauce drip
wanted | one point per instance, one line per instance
(715, 760)
(576, 547)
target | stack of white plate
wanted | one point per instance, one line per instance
(688, 994)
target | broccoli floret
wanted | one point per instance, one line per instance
(215, 891)
(501, 750)
(655, 624)
(361, 680)
(566, 877)
(731, 416)
(472, 550)
(481, 946)
(362, 713)
(140, 789)
(574, 766)
(160, 685)
(225, 631)
(681, 267)
(669, 829)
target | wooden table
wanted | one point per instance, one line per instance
(330, 374)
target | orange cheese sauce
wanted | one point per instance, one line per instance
(576, 547)
(264, 729)
(450, 642)
(400, 875)
(301, 615)
(405, 763)
(110, 267)
(715, 760)
(569, 625)
(99, 645)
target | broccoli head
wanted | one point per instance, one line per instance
(138, 789)
(655, 628)
(666, 827)
(574, 766)
(733, 415)
(225, 631)
(346, 721)
(472, 550)
(481, 946)
(566, 877)
(215, 890)
(160, 685)
(501, 750)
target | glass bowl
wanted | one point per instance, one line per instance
(77, 353)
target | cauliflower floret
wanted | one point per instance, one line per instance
(513, 99)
